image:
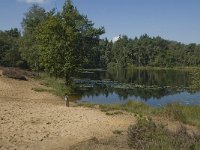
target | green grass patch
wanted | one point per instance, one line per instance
(133, 107)
(185, 114)
(90, 105)
(165, 68)
(57, 85)
(42, 90)
(147, 134)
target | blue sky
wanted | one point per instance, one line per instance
(171, 19)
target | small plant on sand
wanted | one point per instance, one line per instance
(86, 105)
(42, 90)
(119, 132)
(114, 113)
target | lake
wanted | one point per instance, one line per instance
(153, 87)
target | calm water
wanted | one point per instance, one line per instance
(154, 87)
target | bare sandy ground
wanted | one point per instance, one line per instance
(40, 121)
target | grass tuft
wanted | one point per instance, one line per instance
(86, 105)
(119, 132)
(114, 113)
(58, 85)
(185, 114)
(131, 106)
(42, 90)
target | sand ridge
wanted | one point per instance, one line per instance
(39, 120)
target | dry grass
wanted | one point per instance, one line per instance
(148, 135)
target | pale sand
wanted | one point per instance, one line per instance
(40, 121)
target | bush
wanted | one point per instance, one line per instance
(17, 73)
(172, 112)
(14, 73)
(185, 114)
(146, 134)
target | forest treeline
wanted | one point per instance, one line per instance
(62, 42)
(148, 51)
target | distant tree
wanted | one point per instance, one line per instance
(9, 48)
(105, 48)
(28, 44)
(147, 51)
(120, 51)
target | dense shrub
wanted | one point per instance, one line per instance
(172, 112)
(17, 73)
(185, 114)
(14, 73)
(149, 135)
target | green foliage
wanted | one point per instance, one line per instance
(42, 90)
(148, 135)
(64, 40)
(60, 43)
(186, 114)
(28, 44)
(57, 86)
(147, 51)
(9, 48)
(133, 107)
(86, 105)
(196, 80)
(120, 52)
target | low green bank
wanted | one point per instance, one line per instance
(56, 84)
(185, 114)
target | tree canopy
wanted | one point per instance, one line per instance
(28, 44)
(9, 48)
(64, 39)
(62, 42)
(151, 51)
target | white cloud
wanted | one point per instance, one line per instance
(33, 1)
(115, 39)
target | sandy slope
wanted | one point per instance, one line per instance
(32, 120)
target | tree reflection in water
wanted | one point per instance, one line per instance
(139, 84)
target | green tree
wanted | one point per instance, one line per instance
(28, 43)
(105, 48)
(9, 48)
(64, 41)
(120, 52)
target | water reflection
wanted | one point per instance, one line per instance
(154, 87)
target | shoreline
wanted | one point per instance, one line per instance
(34, 117)
(40, 120)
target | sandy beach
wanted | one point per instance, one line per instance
(40, 120)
